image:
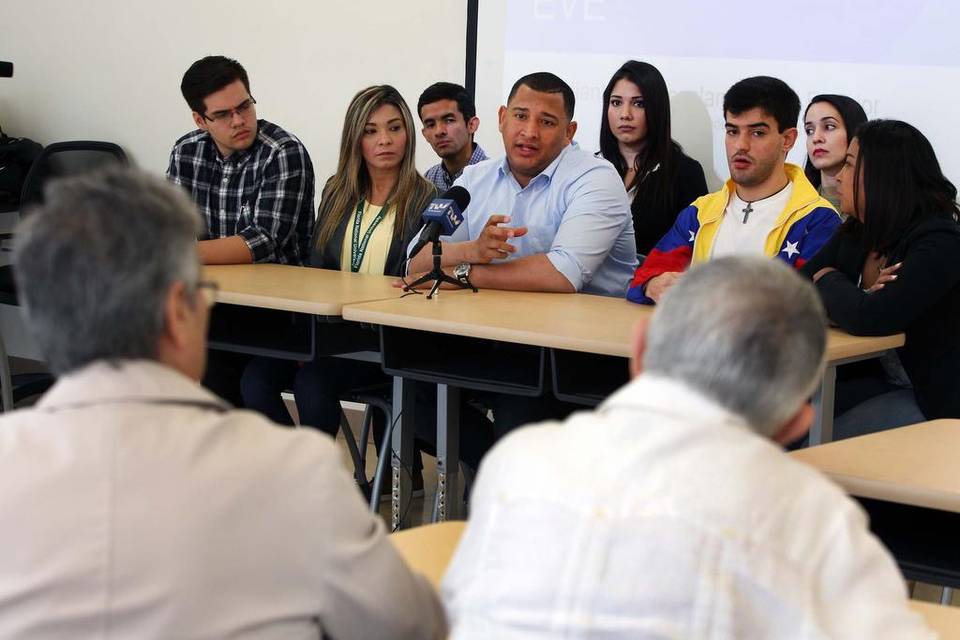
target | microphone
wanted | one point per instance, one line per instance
(442, 217)
(6, 69)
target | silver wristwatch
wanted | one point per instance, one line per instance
(462, 273)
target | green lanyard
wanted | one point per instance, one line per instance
(358, 248)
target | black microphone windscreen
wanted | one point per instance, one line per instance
(459, 195)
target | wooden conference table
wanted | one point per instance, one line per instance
(319, 292)
(569, 326)
(429, 549)
(501, 341)
(915, 465)
(908, 482)
(281, 304)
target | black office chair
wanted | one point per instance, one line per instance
(67, 159)
(15, 388)
(56, 160)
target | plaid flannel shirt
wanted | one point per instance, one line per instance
(264, 194)
(438, 175)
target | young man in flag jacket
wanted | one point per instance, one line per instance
(767, 207)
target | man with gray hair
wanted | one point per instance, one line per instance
(139, 505)
(670, 511)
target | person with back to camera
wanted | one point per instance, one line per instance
(635, 136)
(140, 505)
(895, 266)
(671, 510)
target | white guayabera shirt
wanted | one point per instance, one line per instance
(661, 515)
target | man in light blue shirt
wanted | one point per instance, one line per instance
(547, 217)
(570, 227)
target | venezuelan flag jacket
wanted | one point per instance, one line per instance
(805, 225)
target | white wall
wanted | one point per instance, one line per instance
(899, 59)
(111, 69)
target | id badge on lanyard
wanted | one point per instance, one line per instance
(358, 246)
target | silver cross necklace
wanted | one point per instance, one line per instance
(747, 210)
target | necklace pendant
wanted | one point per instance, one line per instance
(746, 212)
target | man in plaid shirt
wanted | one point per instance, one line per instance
(449, 118)
(252, 180)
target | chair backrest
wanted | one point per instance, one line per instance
(67, 159)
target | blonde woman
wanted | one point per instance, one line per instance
(371, 207)
(369, 211)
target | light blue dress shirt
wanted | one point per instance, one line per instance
(576, 213)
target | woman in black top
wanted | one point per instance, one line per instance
(635, 137)
(895, 266)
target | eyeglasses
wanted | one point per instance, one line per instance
(226, 115)
(209, 291)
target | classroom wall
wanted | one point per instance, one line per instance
(898, 59)
(111, 69)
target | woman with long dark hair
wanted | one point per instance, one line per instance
(895, 266)
(829, 122)
(635, 137)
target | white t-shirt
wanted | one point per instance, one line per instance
(746, 233)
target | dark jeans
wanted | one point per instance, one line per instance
(263, 328)
(865, 402)
(888, 410)
(319, 384)
(223, 374)
(511, 412)
(317, 387)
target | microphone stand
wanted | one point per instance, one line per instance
(437, 275)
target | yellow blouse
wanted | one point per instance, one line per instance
(375, 257)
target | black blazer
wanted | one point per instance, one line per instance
(650, 223)
(328, 256)
(923, 302)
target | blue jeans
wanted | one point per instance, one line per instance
(889, 410)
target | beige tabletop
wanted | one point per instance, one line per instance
(576, 322)
(428, 550)
(915, 465)
(944, 620)
(321, 292)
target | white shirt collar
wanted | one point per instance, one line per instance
(660, 394)
(126, 380)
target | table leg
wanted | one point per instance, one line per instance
(822, 430)
(402, 458)
(449, 484)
